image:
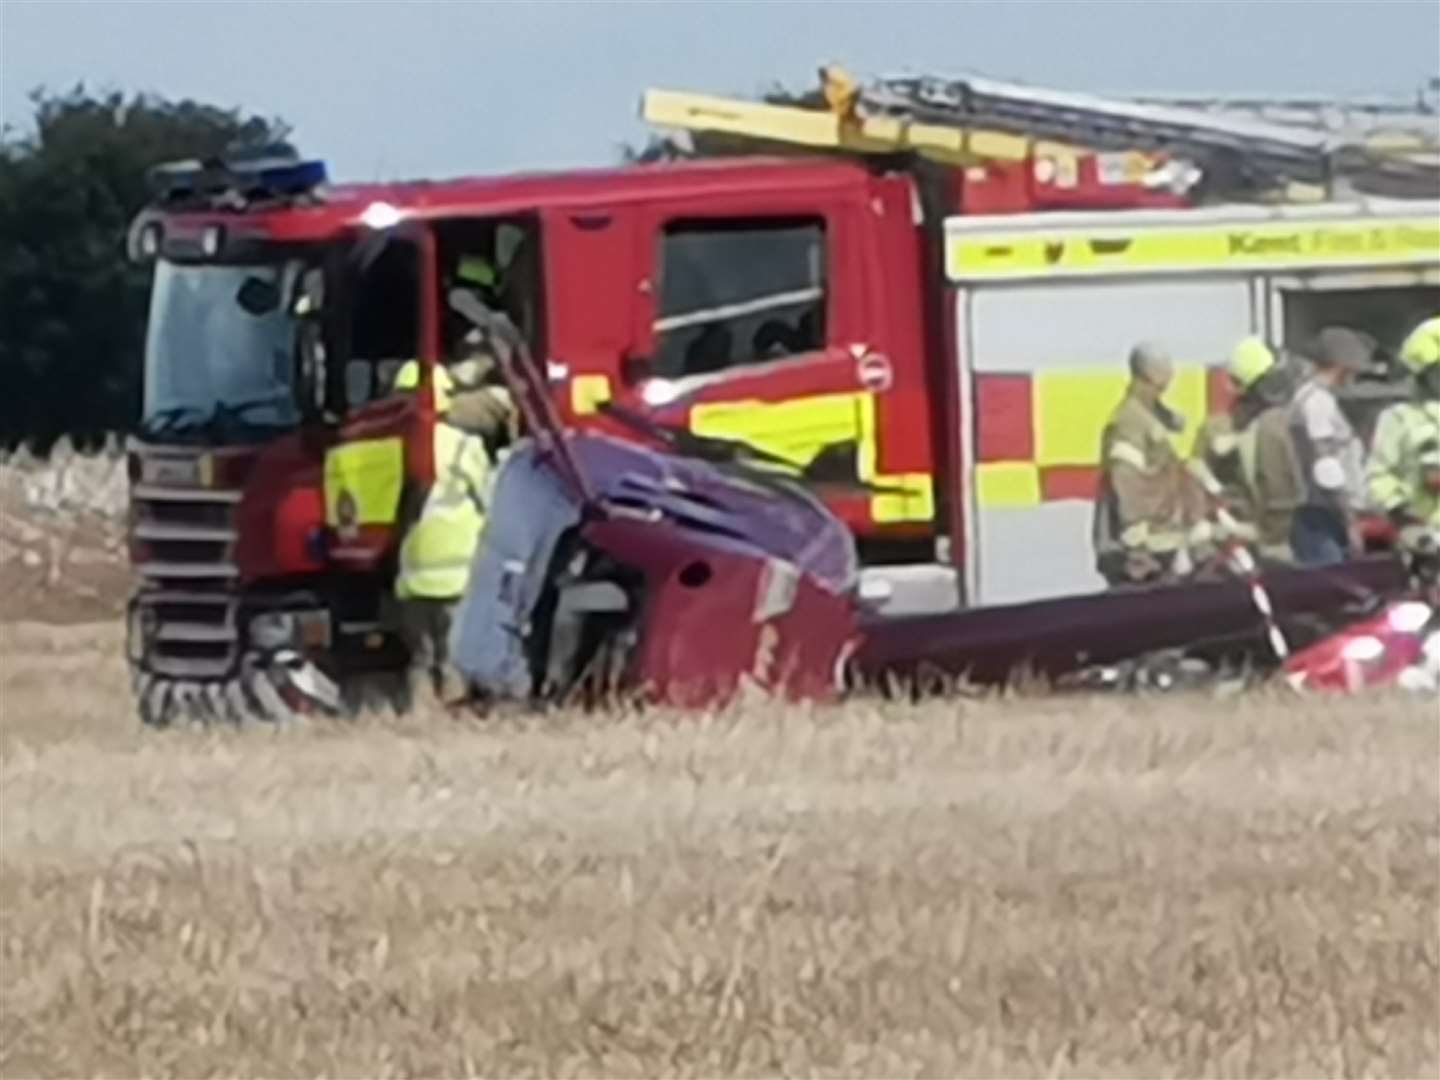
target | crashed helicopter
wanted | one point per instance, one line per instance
(686, 571)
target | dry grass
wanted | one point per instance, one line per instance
(62, 537)
(1077, 887)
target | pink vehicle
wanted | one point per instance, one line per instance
(1398, 646)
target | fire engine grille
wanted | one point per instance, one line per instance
(184, 550)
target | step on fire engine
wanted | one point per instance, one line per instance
(911, 300)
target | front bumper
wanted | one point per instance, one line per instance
(278, 689)
(266, 658)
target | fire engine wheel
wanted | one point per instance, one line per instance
(250, 698)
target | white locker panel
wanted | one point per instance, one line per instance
(1034, 553)
(1093, 324)
(1079, 333)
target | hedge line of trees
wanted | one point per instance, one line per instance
(72, 311)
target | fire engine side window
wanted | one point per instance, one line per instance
(738, 292)
(384, 320)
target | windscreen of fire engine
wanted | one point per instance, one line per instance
(220, 350)
(738, 292)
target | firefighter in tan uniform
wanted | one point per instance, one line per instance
(1404, 469)
(1245, 459)
(1148, 506)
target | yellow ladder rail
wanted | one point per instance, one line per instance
(829, 130)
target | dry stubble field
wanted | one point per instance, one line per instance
(1016, 888)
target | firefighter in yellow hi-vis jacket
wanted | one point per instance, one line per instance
(440, 542)
(474, 416)
(1245, 458)
(1148, 506)
(1404, 468)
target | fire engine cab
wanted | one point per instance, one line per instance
(922, 314)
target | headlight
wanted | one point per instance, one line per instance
(272, 630)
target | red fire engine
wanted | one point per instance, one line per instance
(925, 329)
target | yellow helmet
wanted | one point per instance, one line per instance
(476, 270)
(1422, 347)
(408, 378)
(1250, 362)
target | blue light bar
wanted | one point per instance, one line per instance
(257, 179)
(280, 176)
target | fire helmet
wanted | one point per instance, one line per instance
(476, 270)
(1251, 361)
(1421, 349)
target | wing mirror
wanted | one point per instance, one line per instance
(309, 295)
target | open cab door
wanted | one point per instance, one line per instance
(384, 326)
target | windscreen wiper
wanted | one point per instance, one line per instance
(236, 411)
(167, 421)
(191, 420)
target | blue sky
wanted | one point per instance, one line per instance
(386, 89)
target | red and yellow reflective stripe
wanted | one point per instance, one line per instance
(1008, 483)
(1038, 435)
(368, 476)
(1123, 247)
(588, 393)
(798, 429)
